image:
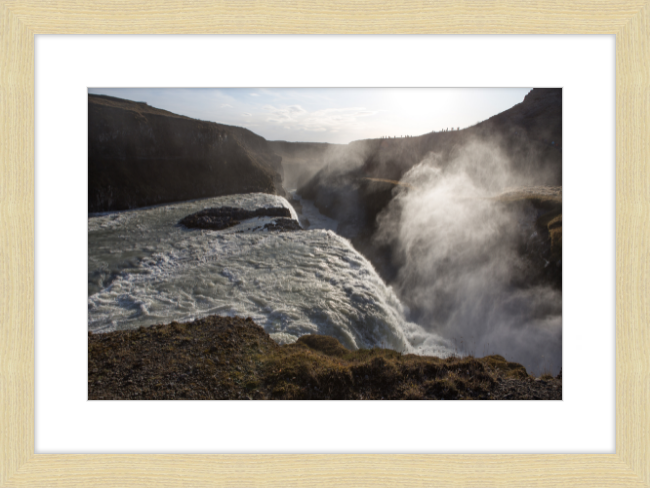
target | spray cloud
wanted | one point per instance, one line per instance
(462, 272)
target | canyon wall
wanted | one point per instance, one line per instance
(140, 155)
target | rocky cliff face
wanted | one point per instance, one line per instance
(140, 155)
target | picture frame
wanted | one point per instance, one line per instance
(19, 466)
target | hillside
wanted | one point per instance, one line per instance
(139, 155)
(221, 358)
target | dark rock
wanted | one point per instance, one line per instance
(223, 217)
(283, 225)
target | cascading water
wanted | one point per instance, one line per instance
(144, 269)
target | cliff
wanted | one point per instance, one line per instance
(140, 155)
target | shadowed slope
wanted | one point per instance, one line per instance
(140, 155)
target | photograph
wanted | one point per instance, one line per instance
(325, 243)
(299, 201)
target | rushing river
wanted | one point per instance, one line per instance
(144, 269)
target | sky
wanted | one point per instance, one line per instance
(335, 115)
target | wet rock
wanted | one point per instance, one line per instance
(283, 225)
(223, 217)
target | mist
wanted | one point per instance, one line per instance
(303, 160)
(461, 270)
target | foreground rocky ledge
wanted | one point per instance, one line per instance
(234, 358)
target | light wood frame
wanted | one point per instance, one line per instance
(629, 20)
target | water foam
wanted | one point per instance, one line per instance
(145, 269)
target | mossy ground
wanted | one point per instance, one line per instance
(233, 358)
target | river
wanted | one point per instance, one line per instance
(144, 269)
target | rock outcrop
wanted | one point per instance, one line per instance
(540, 231)
(139, 155)
(220, 218)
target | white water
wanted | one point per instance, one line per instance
(310, 213)
(145, 269)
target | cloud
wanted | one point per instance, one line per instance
(225, 105)
(246, 114)
(254, 94)
(295, 117)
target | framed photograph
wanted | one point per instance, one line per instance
(370, 457)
